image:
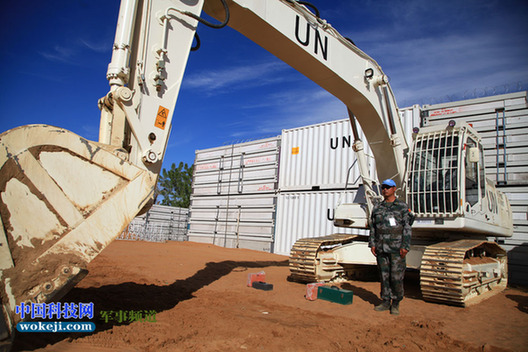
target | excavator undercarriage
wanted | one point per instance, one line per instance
(306, 264)
(461, 272)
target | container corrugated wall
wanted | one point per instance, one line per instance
(234, 195)
(517, 245)
(308, 214)
(410, 117)
(245, 168)
(246, 221)
(318, 157)
(502, 122)
(160, 223)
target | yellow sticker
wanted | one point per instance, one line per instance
(161, 118)
(295, 150)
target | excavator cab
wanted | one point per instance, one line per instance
(447, 188)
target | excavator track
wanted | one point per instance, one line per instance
(304, 258)
(463, 272)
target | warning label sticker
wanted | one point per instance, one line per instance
(295, 150)
(161, 118)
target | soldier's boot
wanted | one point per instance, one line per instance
(395, 308)
(385, 305)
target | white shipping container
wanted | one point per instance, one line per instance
(410, 118)
(233, 221)
(317, 157)
(244, 168)
(307, 215)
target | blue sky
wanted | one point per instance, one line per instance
(55, 56)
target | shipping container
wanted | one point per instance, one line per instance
(410, 118)
(245, 168)
(161, 223)
(502, 122)
(234, 221)
(309, 214)
(318, 157)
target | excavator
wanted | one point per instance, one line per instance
(63, 198)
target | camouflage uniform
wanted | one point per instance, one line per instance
(390, 230)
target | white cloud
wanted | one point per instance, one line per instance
(99, 47)
(289, 109)
(214, 81)
(430, 66)
(60, 53)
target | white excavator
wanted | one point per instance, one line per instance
(63, 198)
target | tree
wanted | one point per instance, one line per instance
(175, 185)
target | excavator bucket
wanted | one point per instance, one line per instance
(63, 199)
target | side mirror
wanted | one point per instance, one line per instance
(473, 155)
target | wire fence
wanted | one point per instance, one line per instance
(473, 93)
(160, 224)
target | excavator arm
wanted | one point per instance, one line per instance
(313, 47)
(63, 198)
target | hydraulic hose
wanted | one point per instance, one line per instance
(198, 42)
(312, 6)
(209, 24)
(307, 4)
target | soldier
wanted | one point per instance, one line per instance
(390, 241)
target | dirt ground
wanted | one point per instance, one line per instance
(202, 303)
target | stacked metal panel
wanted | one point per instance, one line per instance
(234, 195)
(161, 223)
(308, 214)
(502, 122)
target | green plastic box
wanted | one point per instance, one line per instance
(335, 294)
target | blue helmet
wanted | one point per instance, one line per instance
(389, 182)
